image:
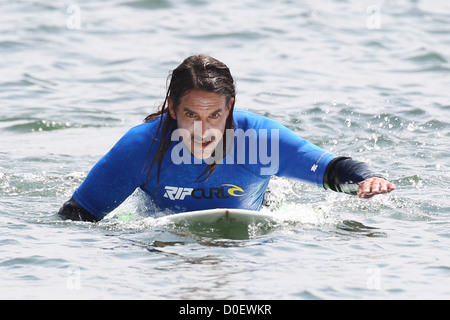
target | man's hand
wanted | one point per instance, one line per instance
(372, 186)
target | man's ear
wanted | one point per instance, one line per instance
(171, 109)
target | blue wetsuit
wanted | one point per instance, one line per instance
(240, 181)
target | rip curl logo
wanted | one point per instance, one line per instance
(223, 192)
(232, 191)
(177, 193)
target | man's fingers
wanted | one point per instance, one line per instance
(372, 186)
(391, 186)
(375, 186)
(364, 189)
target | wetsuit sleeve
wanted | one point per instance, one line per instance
(113, 179)
(288, 154)
(303, 160)
(343, 174)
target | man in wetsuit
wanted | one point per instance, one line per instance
(199, 152)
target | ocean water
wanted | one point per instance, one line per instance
(367, 79)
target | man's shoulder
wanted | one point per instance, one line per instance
(245, 114)
(244, 117)
(139, 135)
(145, 129)
(247, 119)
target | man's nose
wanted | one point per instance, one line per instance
(205, 128)
(201, 128)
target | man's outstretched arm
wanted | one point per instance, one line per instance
(354, 177)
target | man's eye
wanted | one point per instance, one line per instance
(215, 115)
(190, 114)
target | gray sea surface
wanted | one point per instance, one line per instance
(366, 79)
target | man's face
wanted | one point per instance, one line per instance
(202, 116)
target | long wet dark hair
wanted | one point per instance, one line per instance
(198, 72)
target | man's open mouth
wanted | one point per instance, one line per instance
(204, 143)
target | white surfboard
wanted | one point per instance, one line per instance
(221, 215)
(223, 223)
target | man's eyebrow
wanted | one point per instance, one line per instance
(218, 110)
(189, 110)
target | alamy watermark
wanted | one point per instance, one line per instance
(374, 278)
(73, 281)
(374, 19)
(249, 146)
(73, 22)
